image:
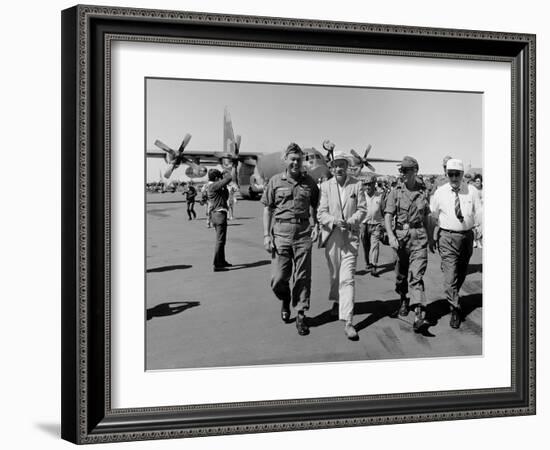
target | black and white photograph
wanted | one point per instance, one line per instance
(298, 224)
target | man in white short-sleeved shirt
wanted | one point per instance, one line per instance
(457, 208)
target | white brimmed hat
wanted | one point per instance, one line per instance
(455, 164)
(341, 155)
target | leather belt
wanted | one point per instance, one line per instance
(457, 232)
(406, 226)
(294, 220)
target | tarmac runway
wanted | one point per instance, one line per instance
(198, 318)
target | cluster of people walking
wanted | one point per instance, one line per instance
(344, 213)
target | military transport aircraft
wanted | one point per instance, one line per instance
(254, 168)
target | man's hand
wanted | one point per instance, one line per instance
(478, 234)
(394, 243)
(340, 223)
(268, 244)
(433, 243)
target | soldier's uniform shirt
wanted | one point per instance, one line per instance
(290, 201)
(456, 238)
(289, 198)
(410, 208)
(413, 205)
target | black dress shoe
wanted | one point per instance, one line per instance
(301, 324)
(285, 312)
(374, 272)
(455, 318)
(226, 264)
(220, 269)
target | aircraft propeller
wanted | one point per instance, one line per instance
(175, 159)
(232, 156)
(363, 161)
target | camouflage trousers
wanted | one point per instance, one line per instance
(291, 263)
(412, 260)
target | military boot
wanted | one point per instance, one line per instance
(419, 319)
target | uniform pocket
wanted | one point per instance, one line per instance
(282, 194)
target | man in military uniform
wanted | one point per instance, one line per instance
(406, 221)
(290, 200)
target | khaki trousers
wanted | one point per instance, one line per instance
(341, 253)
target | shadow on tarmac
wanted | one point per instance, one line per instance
(386, 268)
(169, 309)
(381, 269)
(169, 268)
(377, 309)
(263, 262)
(321, 319)
(440, 308)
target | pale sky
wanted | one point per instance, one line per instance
(424, 124)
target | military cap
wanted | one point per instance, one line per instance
(293, 148)
(409, 162)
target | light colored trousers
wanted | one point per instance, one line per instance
(341, 252)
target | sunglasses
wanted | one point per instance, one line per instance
(453, 174)
(340, 164)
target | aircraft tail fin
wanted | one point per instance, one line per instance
(228, 135)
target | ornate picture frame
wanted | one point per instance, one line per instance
(88, 33)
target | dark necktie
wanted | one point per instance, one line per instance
(458, 211)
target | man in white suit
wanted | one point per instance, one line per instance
(342, 208)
